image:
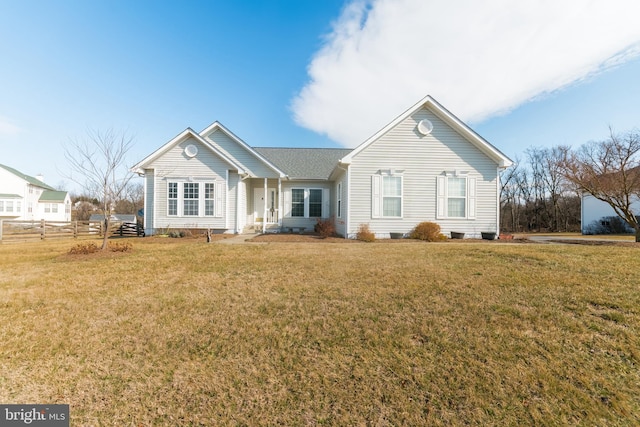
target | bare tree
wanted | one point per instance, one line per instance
(97, 163)
(609, 170)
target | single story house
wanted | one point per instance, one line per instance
(28, 198)
(425, 165)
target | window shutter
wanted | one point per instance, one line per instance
(441, 197)
(287, 203)
(376, 195)
(219, 195)
(326, 203)
(471, 198)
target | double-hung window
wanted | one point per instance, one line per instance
(209, 200)
(297, 202)
(172, 208)
(309, 202)
(386, 195)
(191, 198)
(456, 196)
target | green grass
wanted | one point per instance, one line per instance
(179, 332)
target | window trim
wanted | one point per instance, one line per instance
(324, 198)
(378, 195)
(442, 191)
(202, 201)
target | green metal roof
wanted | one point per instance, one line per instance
(52, 196)
(304, 163)
(10, 196)
(31, 180)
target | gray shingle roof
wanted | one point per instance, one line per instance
(304, 163)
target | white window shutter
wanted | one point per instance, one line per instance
(326, 203)
(471, 198)
(219, 198)
(287, 203)
(376, 196)
(441, 211)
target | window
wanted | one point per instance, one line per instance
(308, 202)
(67, 207)
(54, 207)
(47, 208)
(191, 198)
(195, 199)
(1, 205)
(456, 196)
(18, 206)
(297, 202)
(392, 196)
(339, 201)
(172, 208)
(386, 195)
(315, 203)
(209, 198)
(30, 207)
(9, 206)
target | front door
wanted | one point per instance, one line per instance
(259, 201)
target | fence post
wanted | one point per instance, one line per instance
(1, 227)
(75, 229)
(43, 226)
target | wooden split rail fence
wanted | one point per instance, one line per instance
(14, 230)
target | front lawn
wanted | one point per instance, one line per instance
(180, 332)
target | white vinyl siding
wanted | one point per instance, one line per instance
(422, 159)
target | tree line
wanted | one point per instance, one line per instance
(543, 191)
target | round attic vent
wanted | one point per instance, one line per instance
(191, 150)
(425, 127)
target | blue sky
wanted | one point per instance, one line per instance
(312, 73)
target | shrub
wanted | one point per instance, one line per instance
(177, 234)
(84, 249)
(364, 234)
(427, 231)
(121, 247)
(325, 228)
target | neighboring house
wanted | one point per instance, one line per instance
(426, 165)
(23, 197)
(595, 214)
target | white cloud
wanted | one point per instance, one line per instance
(478, 58)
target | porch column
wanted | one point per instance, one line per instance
(264, 215)
(280, 204)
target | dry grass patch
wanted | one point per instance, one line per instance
(189, 333)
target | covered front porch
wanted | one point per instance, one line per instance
(264, 205)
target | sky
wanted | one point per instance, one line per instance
(310, 73)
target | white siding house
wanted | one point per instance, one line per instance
(595, 213)
(426, 165)
(23, 197)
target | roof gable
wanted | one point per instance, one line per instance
(187, 133)
(217, 126)
(30, 179)
(446, 116)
